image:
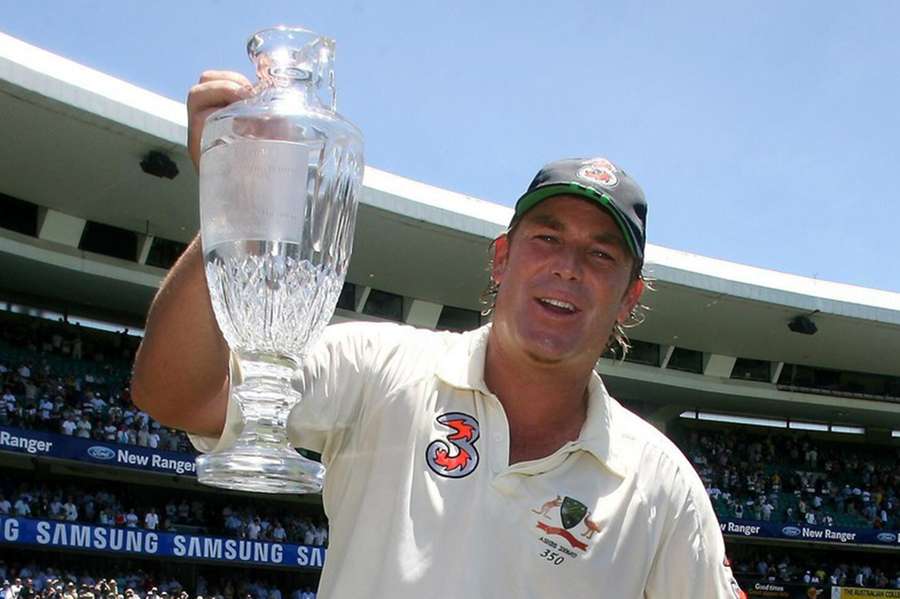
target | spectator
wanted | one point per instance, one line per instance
(83, 428)
(131, 519)
(253, 529)
(68, 426)
(278, 533)
(153, 439)
(151, 519)
(70, 510)
(767, 510)
(143, 436)
(56, 511)
(22, 507)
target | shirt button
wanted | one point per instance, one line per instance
(498, 438)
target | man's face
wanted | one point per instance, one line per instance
(565, 279)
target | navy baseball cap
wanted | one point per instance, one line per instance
(597, 180)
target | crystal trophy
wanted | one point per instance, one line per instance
(280, 175)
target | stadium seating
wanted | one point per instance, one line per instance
(801, 478)
(812, 481)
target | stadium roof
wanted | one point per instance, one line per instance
(72, 140)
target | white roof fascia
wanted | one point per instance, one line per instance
(434, 205)
(478, 217)
(81, 87)
(70, 83)
(759, 284)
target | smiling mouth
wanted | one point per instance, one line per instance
(558, 306)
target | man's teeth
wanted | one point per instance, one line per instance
(559, 304)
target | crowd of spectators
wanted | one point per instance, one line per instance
(869, 571)
(108, 504)
(249, 523)
(63, 378)
(787, 477)
(31, 581)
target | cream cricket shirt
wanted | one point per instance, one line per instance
(422, 501)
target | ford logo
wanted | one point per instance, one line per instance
(886, 537)
(791, 531)
(98, 452)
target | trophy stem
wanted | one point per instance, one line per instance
(265, 395)
(262, 459)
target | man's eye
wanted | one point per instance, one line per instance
(600, 254)
(547, 238)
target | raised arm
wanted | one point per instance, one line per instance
(181, 369)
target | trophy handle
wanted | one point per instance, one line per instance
(325, 75)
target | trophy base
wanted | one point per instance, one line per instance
(261, 470)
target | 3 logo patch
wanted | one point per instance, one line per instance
(455, 456)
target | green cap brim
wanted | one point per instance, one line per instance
(530, 200)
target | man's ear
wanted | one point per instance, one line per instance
(500, 258)
(630, 299)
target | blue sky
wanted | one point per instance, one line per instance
(766, 133)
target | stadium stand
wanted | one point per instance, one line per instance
(109, 503)
(29, 576)
(79, 249)
(815, 567)
(751, 474)
(792, 477)
(72, 380)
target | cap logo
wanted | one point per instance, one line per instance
(600, 171)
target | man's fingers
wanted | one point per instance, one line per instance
(224, 75)
(217, 93)
(203, 99)
(215, 90)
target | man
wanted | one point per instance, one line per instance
(151, 519)
(22, 507)
(70, 510)
(442, 448)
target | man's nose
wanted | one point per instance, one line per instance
(567, 265)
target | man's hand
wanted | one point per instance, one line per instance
(214, 90)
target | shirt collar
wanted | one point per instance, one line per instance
(600, 434)
(463, 367)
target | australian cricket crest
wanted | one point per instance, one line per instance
(575, 528)
(571, 512)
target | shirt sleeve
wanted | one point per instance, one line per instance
(331, 381)
(691, 560)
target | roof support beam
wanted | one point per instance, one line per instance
(661, 417)
(666, 352)
(362, 295)
(145, 242)
(420, 313)
(60, 227)
(777, 367)
(717, 365)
